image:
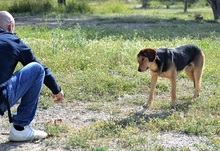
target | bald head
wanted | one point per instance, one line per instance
(7, 21)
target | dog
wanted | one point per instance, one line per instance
(167, 62)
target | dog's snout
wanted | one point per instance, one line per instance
(139, 70)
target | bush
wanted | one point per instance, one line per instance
(112, 6)
(45, 6)
(30, 6)
(78, 7)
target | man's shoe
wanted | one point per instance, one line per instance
(25, 135)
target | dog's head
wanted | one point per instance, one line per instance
(145, 58)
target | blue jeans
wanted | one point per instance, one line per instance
(25, 84)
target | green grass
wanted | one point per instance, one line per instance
(97, 64)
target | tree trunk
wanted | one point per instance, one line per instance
(145, 3)
(185, 5)
(61, 2)
(215, 4)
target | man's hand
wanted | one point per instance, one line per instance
(58, 97)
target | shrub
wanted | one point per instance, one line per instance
(45, 6)
(112, 6)
(78, 7)
(30, 6)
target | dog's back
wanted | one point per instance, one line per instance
(181, 56)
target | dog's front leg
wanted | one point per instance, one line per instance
(154, 78)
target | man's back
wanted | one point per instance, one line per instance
(9, 56)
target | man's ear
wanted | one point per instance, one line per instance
(150, 53)
(11, 27)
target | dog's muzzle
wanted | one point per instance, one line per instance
(139, 70)
(142, 70)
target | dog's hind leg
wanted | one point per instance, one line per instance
(198, 75)
(189, 69)
(198, 81)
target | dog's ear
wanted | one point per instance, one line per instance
(150, 53)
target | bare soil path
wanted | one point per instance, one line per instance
(76, 114)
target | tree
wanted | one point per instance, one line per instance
(188, 2)
(215, 4)
(171, 2)
(185, 5)
(61, 2)
(145, 3)
(167, 2)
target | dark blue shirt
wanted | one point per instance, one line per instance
(14, 50)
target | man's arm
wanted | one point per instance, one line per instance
(27, 56)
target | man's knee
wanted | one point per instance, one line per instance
(37, 67)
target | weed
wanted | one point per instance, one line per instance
(56, 128)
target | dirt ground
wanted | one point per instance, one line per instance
(77, 113)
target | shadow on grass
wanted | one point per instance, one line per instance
(143, 116)
(140, 119)
(183, 106)
(133, 26)
(127, 26)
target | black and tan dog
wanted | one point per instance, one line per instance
(167, 62)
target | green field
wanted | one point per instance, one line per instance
(95, 64)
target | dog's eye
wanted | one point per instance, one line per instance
(142, 59)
